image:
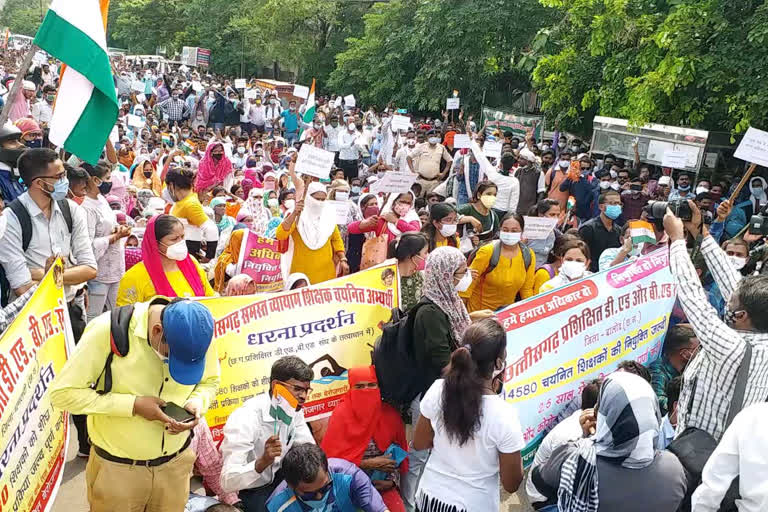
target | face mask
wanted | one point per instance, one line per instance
(433, 140)
(411, 142)
(211, 95)
(272, 202)
(488, 201)
(217, 156)
(177, 251)
(575, 149)
(509, 238)
(604, 185)
(342, 196)
(737, 262)
(105, 187)
(351, 127)
(163, 359)
(50, 98)
(545, 147)
(573, 269)
(462, 285)
(34, 143)
(685, 188)
(401, 209)
(317, 504)
(612, 211)
(421, 263)
(60, 190)
(448, 230)
(290, 204)
(175, 96)
(147, 174)
(241, 150)
(317, 126)
(756, 191)
(701, 190)
(561, 145)
(292, 108)
(564, 164)
(355, 190)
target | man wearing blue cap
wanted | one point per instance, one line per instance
(140, 457)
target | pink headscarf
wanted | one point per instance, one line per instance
(150, 253)
(211, 173)
(247, 185)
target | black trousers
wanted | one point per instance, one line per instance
(80, 420)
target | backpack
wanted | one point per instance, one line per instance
(400, 377)
(120, 319)
(25, 221)
(496, 256)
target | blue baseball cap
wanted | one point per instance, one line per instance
(188, 330)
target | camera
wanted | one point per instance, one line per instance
(679, 208)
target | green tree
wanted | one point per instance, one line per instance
(694, 63)
(22, 16)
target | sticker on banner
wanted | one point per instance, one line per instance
(301, 91)
(461, 141)
(754, 147)
(314, 161)
(675, 159)
(452, 103)
(394, 182)
(538, 228)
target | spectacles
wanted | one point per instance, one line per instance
(318, 494)
(297, 389)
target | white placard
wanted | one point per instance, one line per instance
(400, 122)
(251, 94)
(314, 161)
(349, 101)
(452, 104)
(342, 210)
(240, 83)
(754, 147)
(538, 228)
(692, 154)
(137, 86)
(675, 159)
(197, 86)
(135, 121)
(141, 98)
(114, 135)
(301, 91)
(461, 141)
(492, 149)
(657, 148)
(394, 182)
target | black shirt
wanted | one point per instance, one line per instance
(598, 238)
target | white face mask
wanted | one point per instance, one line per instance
(272, 202)
(462, 285)
(290, 203)
(177, 251)
(351, 127)
(448, 230)
(342, 196)
(510, 238)
(738, 262)
(573, 269)
(434, 140)
(701, 190)
(564, 164)
(241, 150)
(411, 142)
(604, 185)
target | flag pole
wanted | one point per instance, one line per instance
(17, 83)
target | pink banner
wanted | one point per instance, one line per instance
(260, 259)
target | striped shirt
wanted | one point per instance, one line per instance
(710, 378)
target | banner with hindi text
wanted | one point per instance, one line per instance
(33, 435)
(260, 259)
(331, 326)
(559, 340)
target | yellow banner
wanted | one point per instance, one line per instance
(332, 327)
(33, 435)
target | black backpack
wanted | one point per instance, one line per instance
(400, 377)
(496, 256)
(120, 319)
(25, 222)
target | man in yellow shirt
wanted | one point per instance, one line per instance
(140, 457)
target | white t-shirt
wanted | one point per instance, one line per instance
(467, 476)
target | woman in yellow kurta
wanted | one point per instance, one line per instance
(166, 268)
(315, 247)
(189, 210)
(500, 287)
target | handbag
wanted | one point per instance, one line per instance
(374, 251)
(694, 446)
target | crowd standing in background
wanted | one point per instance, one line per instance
(195, 164)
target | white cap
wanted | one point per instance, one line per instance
(527, 154)
(28, 86)
(665, 180)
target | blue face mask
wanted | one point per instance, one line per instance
(317, 504)
(355, 190)
(60, 190)
(35, 143)
(612, 211)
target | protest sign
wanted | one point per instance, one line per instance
(260, 259)
(675, 159)
(331, 326)
(114, 135)
(141, 98)
(251, 94)
(452, 103)
(400, 122)
(492, 149)
(394, 182)
(580, 332)
(33, 434)
(349, 101)
(342, 210)
(137, 85)
(135, 121)
(538, 228)
(461, 141)
(314, 161)
(301, 91)
(754, 147)
(240, 83)
(506, 121)
(197, 86)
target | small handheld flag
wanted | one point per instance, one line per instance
(641, 232)
(283, 406)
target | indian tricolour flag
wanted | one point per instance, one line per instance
(74, 31)
(283, 406)
(309, 112)
(641, 232)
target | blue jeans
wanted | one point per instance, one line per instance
(417, 459)
(291, 137)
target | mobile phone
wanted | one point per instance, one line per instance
(370, 212)
(177, 413)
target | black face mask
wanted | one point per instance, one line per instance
(34, 143)
(11, 156)
(216, 156)
(105, 187)
(147, 174)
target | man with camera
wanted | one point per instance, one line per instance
(710, 377)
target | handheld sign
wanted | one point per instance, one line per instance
(675, 159)
(492, 149)
(137, 85)
(114, 135)
(141, 98)
(251, 94)
(461, 141)
(452, 104)
(400, 122)
(754, 147)
(240, 83)
(301, 91)
(135, 121)
(394, 183)
(314, 161)
(538, 228)
(342, 210)
(349, 101)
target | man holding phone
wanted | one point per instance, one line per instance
(140, 427)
